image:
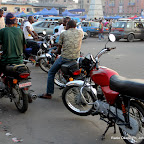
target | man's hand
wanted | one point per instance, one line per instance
(35, 37)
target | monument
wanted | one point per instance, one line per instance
(95, 9)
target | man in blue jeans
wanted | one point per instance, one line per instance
(70, 43)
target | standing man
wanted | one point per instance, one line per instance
(70, 43)
(100, 30)
(31, 35)
(2, 22)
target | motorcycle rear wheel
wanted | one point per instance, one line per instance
(20, 99)
(43, 63)
(137, 112)
(75, 103)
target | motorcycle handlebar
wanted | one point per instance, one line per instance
(109, 49)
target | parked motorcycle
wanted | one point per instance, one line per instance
(117, 100)
(14, 84)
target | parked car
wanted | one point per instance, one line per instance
(47, 26)
(129, 30)
(91, 28)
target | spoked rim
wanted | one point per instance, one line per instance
(59, 79)
(18, 99)
(136, 114)
(76, 102)
(45, 65)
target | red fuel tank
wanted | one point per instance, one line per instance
(102, 76)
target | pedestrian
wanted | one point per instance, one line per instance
(110, 25)
(70, 43)
(101, 36)
(2, 22)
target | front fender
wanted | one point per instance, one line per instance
(80, 83)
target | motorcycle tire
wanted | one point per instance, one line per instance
(43, 63)
(59, 80)
(135, 105)
(20, 99)
(78, 107)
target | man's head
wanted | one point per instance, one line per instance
(10, 19)
(70, 24)
(65, 20)
(100, 21)
(1, 12)
(31, 19)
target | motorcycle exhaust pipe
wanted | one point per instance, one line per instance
(34, 96)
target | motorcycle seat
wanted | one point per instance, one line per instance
(129, 87)
(13, 69)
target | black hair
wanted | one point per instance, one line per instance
(71, 24)
(1, 10)
(30, 18)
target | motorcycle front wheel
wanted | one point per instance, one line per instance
(74, 102)
(20, 99)
(43, 63)
(136, 112)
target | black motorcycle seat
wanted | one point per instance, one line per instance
(129, 87)
(13, 67)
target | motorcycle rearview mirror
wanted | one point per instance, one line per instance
(44, 32)
(112, 38)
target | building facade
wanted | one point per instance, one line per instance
(124, 8)
(84, 4)
(28, 7)
(70, 4)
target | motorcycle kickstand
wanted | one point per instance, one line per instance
(111, 124)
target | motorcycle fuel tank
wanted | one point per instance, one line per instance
(102, 76)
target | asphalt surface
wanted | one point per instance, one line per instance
(49, 122)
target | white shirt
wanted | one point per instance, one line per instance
(79, 28)
(2, 23)
(26, 33)
(59, 30)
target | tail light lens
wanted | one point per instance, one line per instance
(77, 72)
(24, 75)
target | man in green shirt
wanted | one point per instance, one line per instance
(13, 43)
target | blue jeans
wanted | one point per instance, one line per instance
(51, 74)
(100, 36)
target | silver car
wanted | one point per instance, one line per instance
(47, 26)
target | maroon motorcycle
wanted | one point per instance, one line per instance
(14, 84)
(117, 100)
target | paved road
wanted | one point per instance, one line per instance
(49, 122)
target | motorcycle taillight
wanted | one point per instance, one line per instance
(24, 75)
(77, 72)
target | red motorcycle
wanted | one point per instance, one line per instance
(118, 100)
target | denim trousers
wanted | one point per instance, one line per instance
(100, 35)
(51, 74)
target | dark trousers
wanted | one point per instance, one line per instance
(33, 44)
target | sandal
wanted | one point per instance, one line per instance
(45, 96)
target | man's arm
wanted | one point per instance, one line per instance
(31, 32)
(58, 51)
